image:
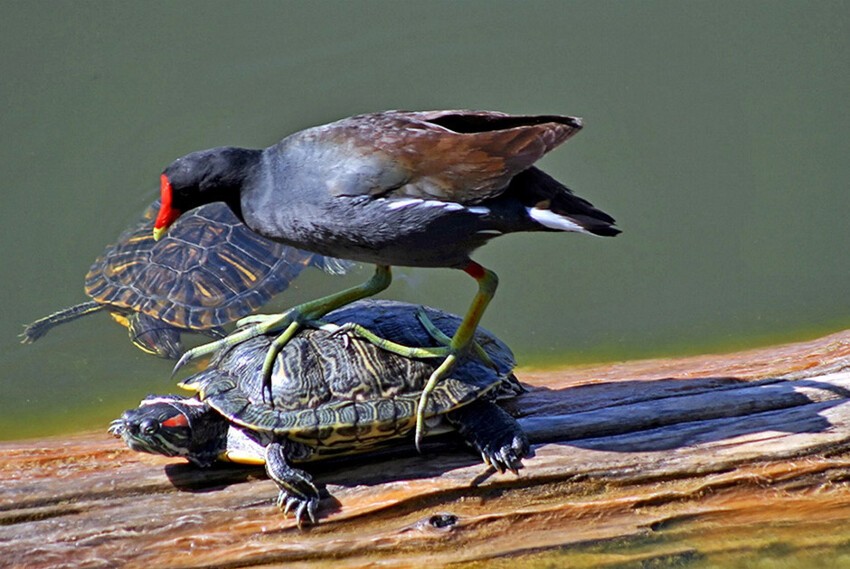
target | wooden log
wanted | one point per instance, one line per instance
(641, 462)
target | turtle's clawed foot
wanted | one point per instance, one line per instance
(492, 432)
(304, 509)
(298, 493)
(506, 453)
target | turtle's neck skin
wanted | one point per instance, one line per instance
(208, 434)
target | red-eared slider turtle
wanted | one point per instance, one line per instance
(334, 393)
(210, 271)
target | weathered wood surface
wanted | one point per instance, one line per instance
(687, 454)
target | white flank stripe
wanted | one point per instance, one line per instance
(554, 221)
(451, 206)
(433, 203)
(479, 209)
(396, 204)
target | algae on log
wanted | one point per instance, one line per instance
(652, 461)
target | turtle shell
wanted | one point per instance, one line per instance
(334, 392)
(207, 271)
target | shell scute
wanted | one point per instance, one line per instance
(212, 266)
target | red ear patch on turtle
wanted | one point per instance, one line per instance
(178, 420)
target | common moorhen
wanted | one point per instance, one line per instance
(419, 189)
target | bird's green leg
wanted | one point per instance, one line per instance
(364, 333)
(441, 337)
(315, 309)
(487, 283)
(290, 321)
(242, 335)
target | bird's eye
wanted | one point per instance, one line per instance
(149, 426)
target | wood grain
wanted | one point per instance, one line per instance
(635, 462)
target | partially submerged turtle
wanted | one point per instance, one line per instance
(333, 393)
(210, 271)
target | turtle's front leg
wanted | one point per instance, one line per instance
(297, 491)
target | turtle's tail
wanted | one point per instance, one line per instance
(39, 328)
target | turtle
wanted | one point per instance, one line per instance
(211, 271)
(335, 393)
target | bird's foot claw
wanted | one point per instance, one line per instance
(272, 353)
(421, 409)
(199, 352)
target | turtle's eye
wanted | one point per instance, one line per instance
(149, 427)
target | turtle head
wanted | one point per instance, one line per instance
(171, 425)
(206, 176)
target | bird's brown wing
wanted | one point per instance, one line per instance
(460, 156)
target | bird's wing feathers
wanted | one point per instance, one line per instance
(460, 156)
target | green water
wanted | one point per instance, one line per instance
(716, 135)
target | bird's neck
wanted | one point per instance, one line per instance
(229, 178)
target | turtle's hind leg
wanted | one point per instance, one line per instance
(39, 328)
(493, 433)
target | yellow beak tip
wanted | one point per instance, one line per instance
(159, 233)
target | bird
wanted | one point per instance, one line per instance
(391, 188)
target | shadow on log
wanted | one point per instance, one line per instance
(659, 462)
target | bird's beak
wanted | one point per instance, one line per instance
(167, 214)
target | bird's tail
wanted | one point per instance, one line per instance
(554, 206)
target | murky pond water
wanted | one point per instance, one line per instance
(716, 135)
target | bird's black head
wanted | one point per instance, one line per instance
(206, 176)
